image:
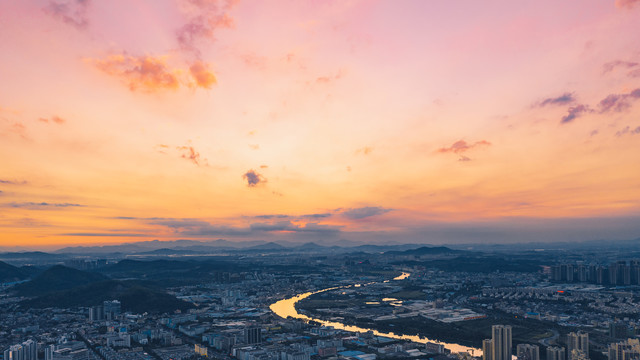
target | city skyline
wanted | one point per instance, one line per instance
(415, 122)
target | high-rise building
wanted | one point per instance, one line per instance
(487, 349)
(625, 350)
(96, 313)
(613, 274)
(14, 352)
(556, 353)
(601, 275)
(111, 309)
(501, 348)
(579, 355)
(48, 352)
(28, 350)
(556, 273)
(528, 352)
(570, 273)
(582, 273)
(253, 335)
(578, 341)
(618, 330)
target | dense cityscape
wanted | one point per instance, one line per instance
(270, 302)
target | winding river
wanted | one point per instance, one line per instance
(287, 308)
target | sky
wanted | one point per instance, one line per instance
(409, 121)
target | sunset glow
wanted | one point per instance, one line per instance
(380, 121)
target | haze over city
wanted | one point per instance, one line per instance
(427, 122)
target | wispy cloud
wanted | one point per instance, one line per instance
(330, 78)
(151, 74)
(628, 130)
(41, 205)
(189, 153)
(205, 17)
(253, 178)
(199, 228)
(611, 103)
(30, 223)
(612, 65)
(9, 127)
(92, 234)
(575, 112)
(364, 212)
(462, 146)
(618, 102)
(54, 119)
(365, 150)
(144, 73)
(563, 99)
(203, 77)
(13, 182)
(626, 3)
(292, 217)
(70, 12)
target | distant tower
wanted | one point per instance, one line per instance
(253, 335)
(48, 352)
(96, 313)
(556, 353)
(501, 341)
(111, 309)
(627, 349)
(528, 352)
(15, 352)
(487, 346)
(30, 350)
(578, 345)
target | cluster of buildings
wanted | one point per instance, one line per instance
(27, 350)
(109, 310)
(499, 347)
(618, 273)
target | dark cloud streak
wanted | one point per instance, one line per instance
(575, 112)
(70, 12)
(41, 205)
(563, 99)
(253, 178)
(364, 212)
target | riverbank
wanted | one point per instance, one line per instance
(287, 308)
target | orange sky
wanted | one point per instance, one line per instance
(380, 121)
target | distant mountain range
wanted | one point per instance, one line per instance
(422, 251)
(193, 247)
(225, 247)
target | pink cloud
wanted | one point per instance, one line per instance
(56, 119)
(189, 153)
(152, 73)
(626, 3)
(202, 75)
(70, 12)
(145, 73)
(462, 146)
(205, 17)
